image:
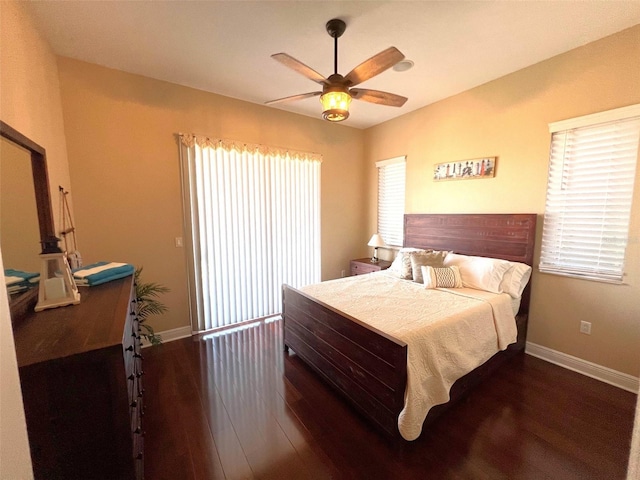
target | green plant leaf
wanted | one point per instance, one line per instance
(148, 305)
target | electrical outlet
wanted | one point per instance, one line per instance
(179, 243)
(585, 327)
(342, 273)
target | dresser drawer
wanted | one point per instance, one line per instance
(361, 269)
(361, 266)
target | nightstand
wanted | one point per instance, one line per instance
(361, 266)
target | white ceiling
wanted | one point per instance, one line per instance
(225, 46)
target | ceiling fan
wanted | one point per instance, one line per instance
(337, 90)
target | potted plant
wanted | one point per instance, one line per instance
(148, 304)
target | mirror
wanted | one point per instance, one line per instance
(19, 230)
(26, 215)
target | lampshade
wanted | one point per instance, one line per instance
(335, 105)
(376, 241)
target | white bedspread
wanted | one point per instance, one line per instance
(449, 332)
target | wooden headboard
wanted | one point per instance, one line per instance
(501, 235)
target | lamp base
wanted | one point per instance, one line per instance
(374, 259)
(74, 299)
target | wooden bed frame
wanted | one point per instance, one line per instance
(369, 367)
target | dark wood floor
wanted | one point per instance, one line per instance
(236, 406)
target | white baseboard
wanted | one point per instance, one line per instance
(593, 370)
(171, 335)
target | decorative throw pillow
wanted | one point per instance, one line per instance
(420, 259)
(445, 277)
(396, 266)
(401, 265)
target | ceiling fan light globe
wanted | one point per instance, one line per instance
(335, 106)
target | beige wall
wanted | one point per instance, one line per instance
(124, 161)
(30, 103)
(509, 118)
(30, 95)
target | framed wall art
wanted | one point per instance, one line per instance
(465, 169)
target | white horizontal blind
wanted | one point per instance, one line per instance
(391, 188)
(254, 223)
(589, 194)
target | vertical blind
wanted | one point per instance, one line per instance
(253, 223)
(391, 186)
(589, 195)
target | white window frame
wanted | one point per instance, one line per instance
(572, 244)
(391, 199)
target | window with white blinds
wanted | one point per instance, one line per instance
(592, 168)
(391, 185)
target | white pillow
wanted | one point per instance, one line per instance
(515, 279)
(445, 277)
(481, 273)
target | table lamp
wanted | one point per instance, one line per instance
(375, 242)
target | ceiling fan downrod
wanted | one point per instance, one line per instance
(335, 28)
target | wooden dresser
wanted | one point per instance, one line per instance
(81, 375)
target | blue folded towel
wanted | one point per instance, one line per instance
(25, 276)
(19, 281)
(101, 272)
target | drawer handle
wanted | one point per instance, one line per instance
(129, 348)
(137, 355)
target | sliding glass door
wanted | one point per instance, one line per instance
(253, 223)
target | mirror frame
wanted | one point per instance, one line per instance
(23, 303)
(40, 178)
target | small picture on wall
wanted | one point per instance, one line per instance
(465, 169)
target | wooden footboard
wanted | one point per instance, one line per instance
(365, 365)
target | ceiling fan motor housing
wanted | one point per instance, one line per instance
(335, 83)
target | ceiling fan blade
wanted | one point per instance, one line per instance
(376, 96)
(375, 65)
(293, 97)
(298, 66)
